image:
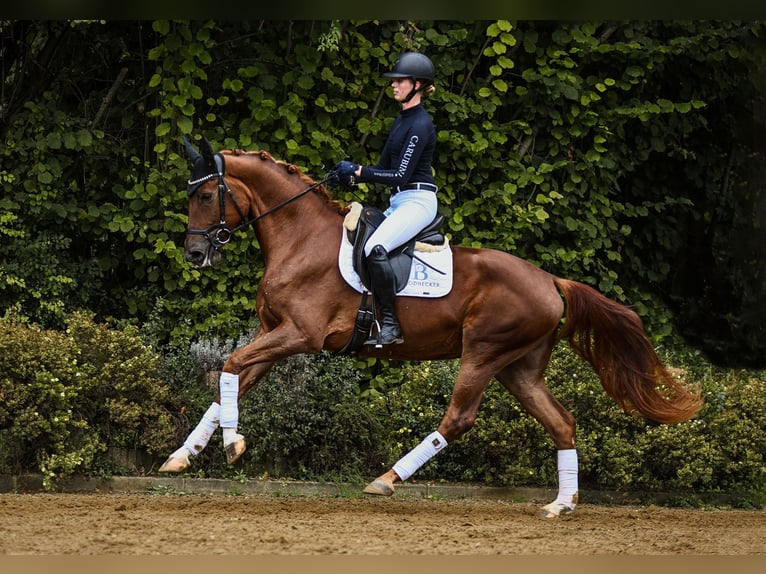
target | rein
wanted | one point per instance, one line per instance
(219, 234)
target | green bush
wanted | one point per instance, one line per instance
(69, 395)
(306, 420)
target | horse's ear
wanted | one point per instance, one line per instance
(193, 154)
(209, 155)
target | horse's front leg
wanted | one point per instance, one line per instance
(244, 367)
(198, 439)
(236, 378)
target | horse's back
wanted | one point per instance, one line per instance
(495, 292)
(508, 276)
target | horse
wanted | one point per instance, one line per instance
(501, 318)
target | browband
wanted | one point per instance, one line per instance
(201, 173)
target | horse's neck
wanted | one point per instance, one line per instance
(306, 226)
(286, 223)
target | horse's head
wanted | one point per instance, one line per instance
(223, 202)
(209, 229)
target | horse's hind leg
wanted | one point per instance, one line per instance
(459, 418)
(198, 439)
(525, 381)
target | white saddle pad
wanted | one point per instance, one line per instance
(424, 281)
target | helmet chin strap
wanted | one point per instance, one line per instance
(413, 91)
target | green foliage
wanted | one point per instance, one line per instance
(67, 396)
(609, 152)
(305, 420)
(308, 422)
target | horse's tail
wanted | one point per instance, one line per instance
(611, 337)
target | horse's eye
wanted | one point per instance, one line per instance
(206, 197)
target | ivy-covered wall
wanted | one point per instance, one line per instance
(621, 153)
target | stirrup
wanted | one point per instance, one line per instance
(378, 341)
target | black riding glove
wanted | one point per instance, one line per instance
(345, 171)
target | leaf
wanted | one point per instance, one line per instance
(185, 125)
(508, 39)
(505, 62)
(569, 92)
(499, 48)
(500, 85)
(162, 129)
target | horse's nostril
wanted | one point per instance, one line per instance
(195, 256)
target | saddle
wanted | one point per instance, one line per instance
(401, 258)
(358, 231)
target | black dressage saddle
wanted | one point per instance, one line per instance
(401, 257)
(401, 262)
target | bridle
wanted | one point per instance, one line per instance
(219, 234)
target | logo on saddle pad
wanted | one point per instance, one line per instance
(430, 273)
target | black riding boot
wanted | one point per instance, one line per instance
(384, 291)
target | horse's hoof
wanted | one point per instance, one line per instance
(379, 488)
(555, 509)
(235, 449)
(175, 464)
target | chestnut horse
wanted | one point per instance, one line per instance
(501, 318)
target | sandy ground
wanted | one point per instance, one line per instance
(171, 524)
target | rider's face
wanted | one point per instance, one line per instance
(401, 88)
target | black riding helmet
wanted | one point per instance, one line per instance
(416, 66)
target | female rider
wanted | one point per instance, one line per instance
(405, 165)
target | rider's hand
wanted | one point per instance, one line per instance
(345, 171)
(346, 167)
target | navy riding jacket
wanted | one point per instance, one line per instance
(406, 157)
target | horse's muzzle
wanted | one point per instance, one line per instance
(200, 252)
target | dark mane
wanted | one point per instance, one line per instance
(292, 170)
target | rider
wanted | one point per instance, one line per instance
(405, 165)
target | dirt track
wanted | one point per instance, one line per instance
(139, 524)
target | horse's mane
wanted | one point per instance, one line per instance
(292, 170)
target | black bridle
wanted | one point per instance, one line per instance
(219, 234)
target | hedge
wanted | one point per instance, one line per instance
(67, 396)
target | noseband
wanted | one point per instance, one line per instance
(219, 234)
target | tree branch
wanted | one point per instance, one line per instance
(108, 98)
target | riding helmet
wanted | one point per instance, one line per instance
(413, 65)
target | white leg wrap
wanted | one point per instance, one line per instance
(230, 435)
(418, 456)
(200, 436)
(567, 466)
(229, 388)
